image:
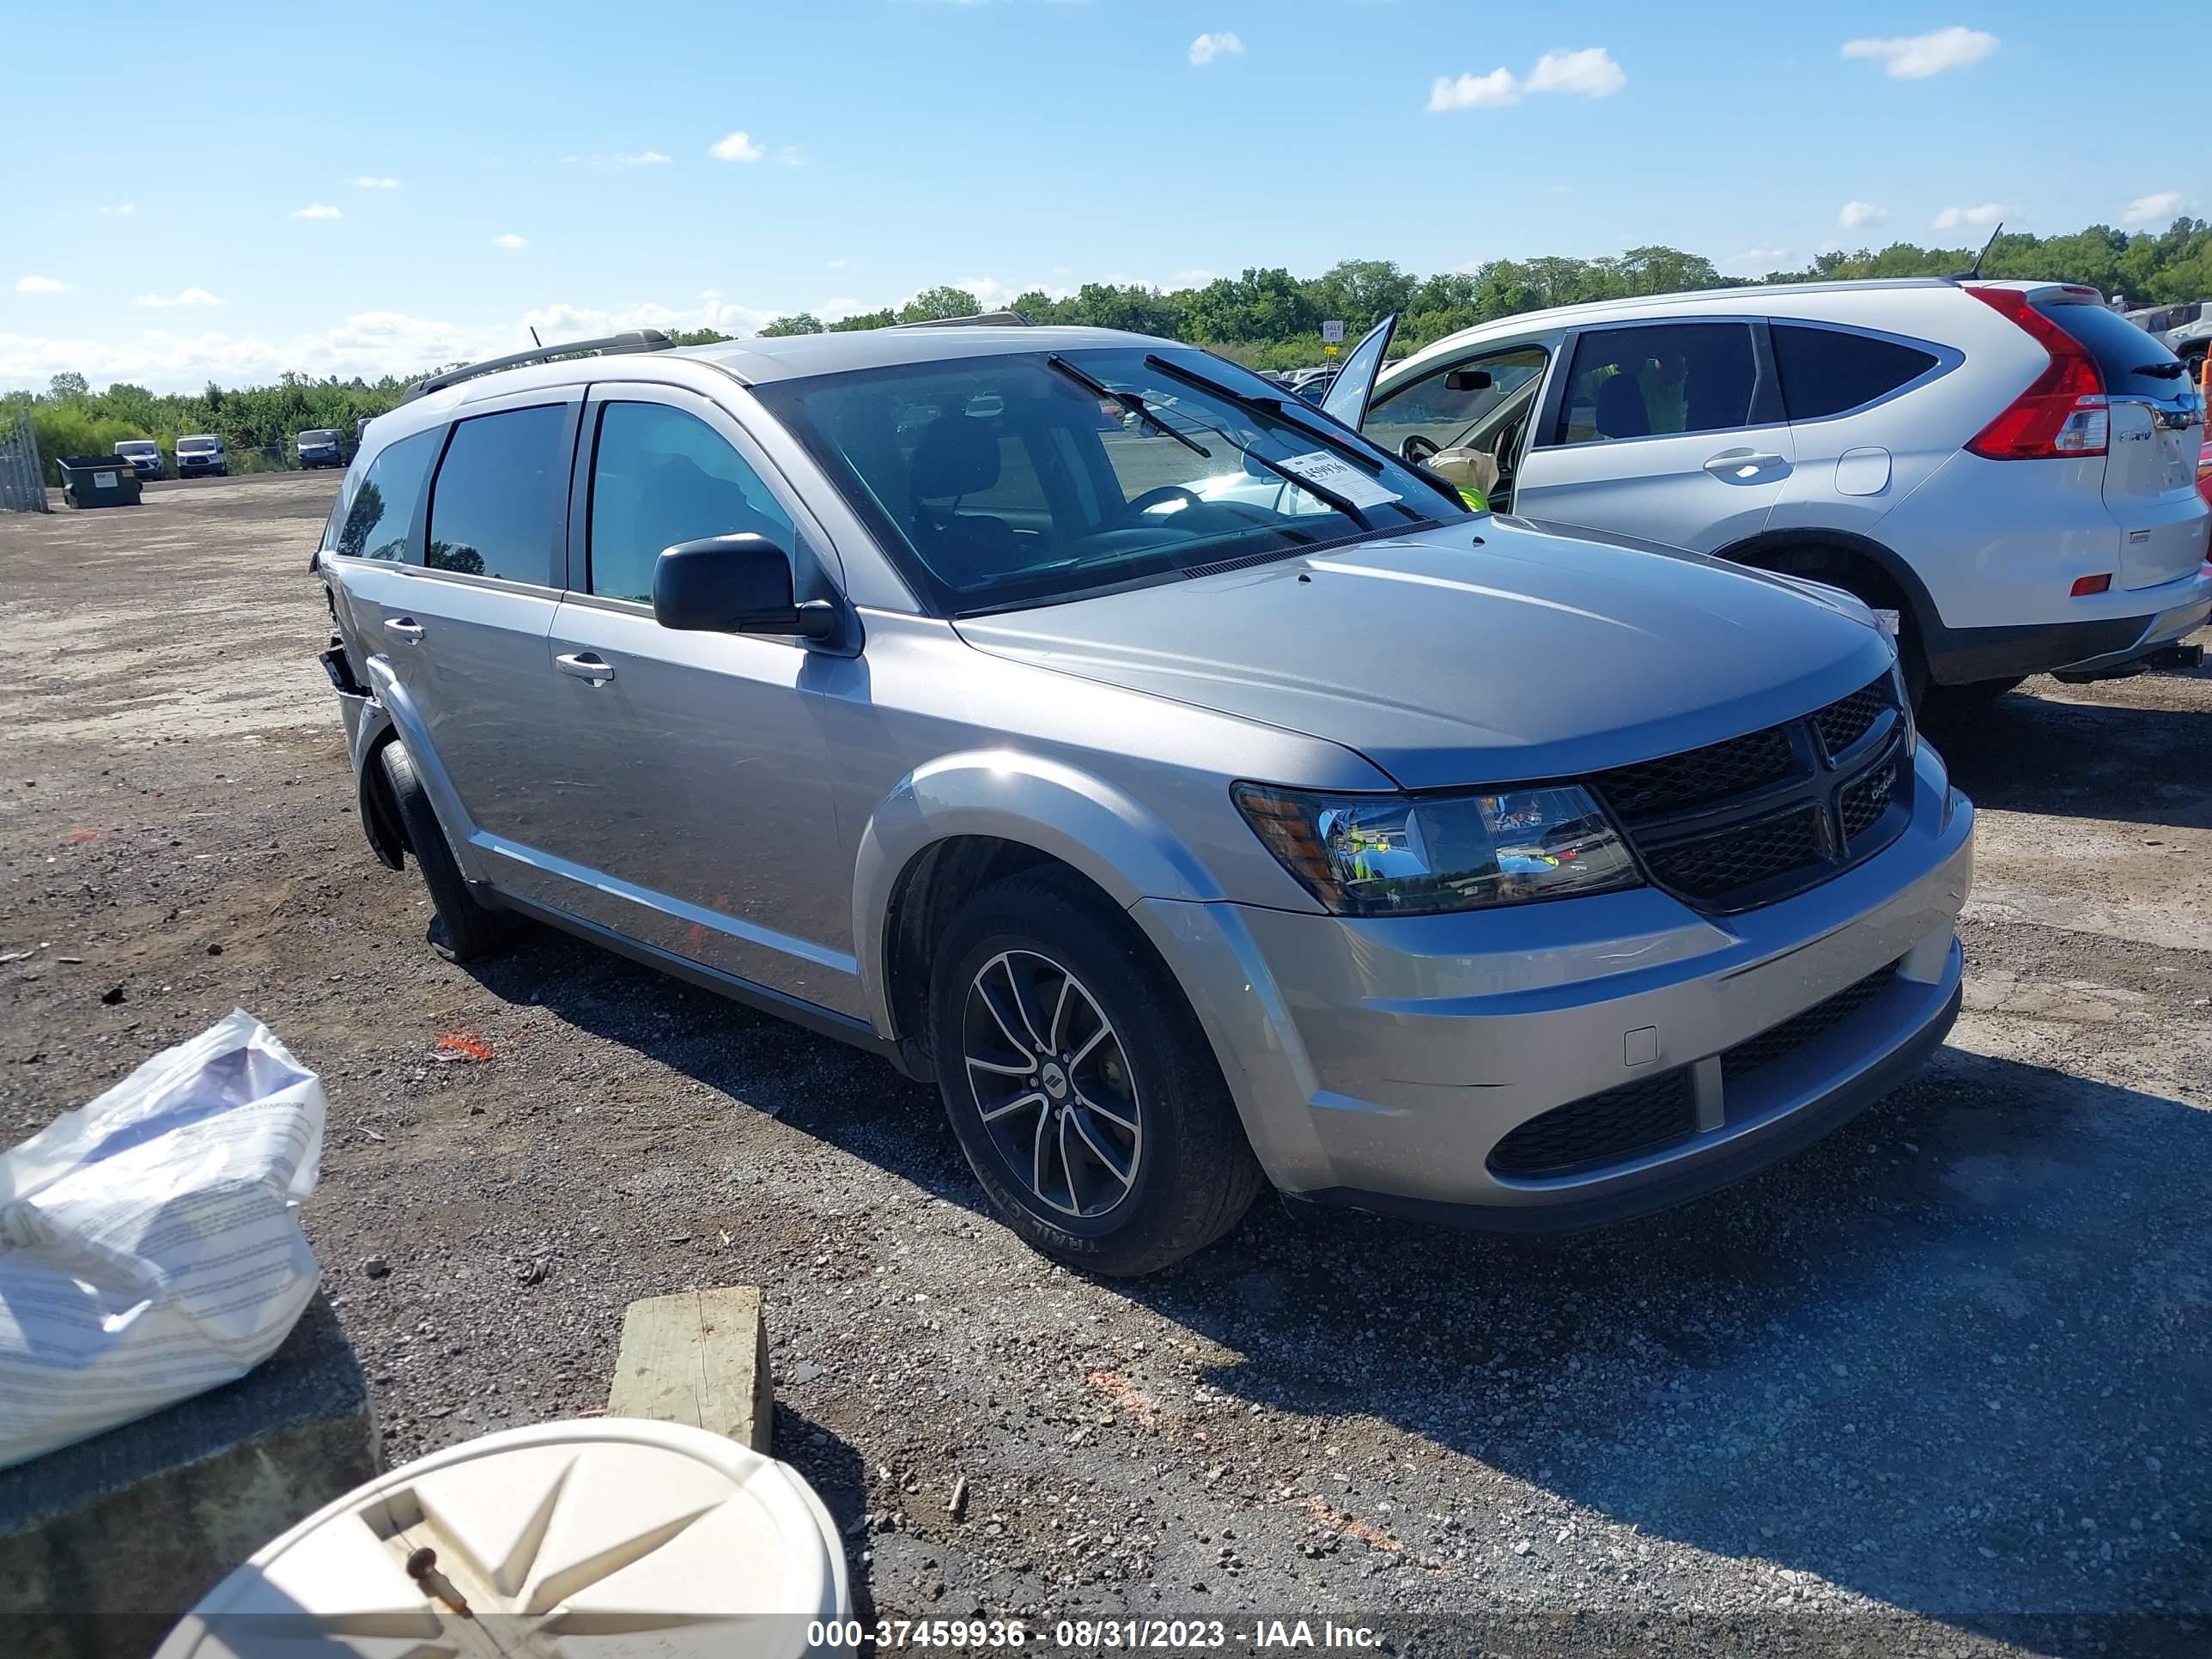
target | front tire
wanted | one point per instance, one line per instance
(463, 930)
(1079, 1083)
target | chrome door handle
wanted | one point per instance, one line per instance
(586, 665)
(406, 627)
(1742, 463)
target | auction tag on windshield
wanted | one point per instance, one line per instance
(1339, 476)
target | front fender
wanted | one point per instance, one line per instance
(1070, 815)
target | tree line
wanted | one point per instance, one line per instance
(1264, 318)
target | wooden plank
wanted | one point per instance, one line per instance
(701, 1357)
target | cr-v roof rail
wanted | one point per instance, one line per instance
(630, 339)
(981, 319)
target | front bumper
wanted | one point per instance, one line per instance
(1383, 1063)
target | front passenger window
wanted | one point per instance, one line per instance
(660, 476)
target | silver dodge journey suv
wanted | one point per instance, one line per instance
(945, 691)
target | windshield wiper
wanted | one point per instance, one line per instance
(2168, 371)
(1288, 410)
(1128, 400)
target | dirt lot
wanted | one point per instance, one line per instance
(1942, 1384)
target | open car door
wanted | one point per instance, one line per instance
(1355, 382)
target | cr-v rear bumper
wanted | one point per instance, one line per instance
(2091, 648)
(1385, 1064)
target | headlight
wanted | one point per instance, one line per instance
(1400, 855)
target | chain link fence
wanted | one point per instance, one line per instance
(23, 486)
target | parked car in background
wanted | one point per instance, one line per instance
(2006, 466)
(318, 446)
(2184, 329)
(202, 455)
(143, 454)
(1405, 857)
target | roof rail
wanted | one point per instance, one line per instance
(981, 319)
(630, 339)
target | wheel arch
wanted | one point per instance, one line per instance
(951, 827)
(1834, 556)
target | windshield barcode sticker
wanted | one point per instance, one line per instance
(1339, 477)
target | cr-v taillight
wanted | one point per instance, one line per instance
(2062, 414)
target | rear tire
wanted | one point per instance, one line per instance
(463, 930)
(1127, 1154)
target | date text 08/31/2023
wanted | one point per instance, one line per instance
(1093, 1635)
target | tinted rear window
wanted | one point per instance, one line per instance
(1826, 371)
(492, 510)
(381, 512)
(2121, 349)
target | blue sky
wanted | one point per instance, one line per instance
(380, 187)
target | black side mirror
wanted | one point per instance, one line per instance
(734, 584)
(1467, 379)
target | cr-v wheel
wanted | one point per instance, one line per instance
(1079, 1083)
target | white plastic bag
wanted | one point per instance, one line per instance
(151, 1246)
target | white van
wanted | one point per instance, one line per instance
(202, 455)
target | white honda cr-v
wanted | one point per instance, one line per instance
(2009, 466)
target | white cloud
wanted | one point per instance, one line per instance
(125, 208)
(1916, 56)
(644, 158)
(369, 181)
(1591, 73)
(371, 343)
(839, 264)
(1207, 47)
(1474, 91)
(791, 157)
(317, 210)
(2148, 209)
(1857, 214)
(737, 148)
(40, 285)
(1192, 278)
(191, 296)
(510, 240)
(1987, 213)
(1754, 261)
(1588, 73)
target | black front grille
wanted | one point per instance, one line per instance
(1842, 723)
(1866, 800)
(1600, 1129)
(1712, 868)
(1747, 821)
(1793, 1033)
(1675, 782)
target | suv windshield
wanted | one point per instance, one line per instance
(129, 446)
(318, 437)
(193, 445)
(1009, 480)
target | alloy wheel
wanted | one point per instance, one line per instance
(1052, 1085)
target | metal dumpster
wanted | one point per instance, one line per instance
(98, 481)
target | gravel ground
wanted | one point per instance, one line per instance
(1940, 1384)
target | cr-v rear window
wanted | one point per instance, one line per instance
(2122, 352)
(1826, 371)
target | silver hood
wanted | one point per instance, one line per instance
(1490, 652)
